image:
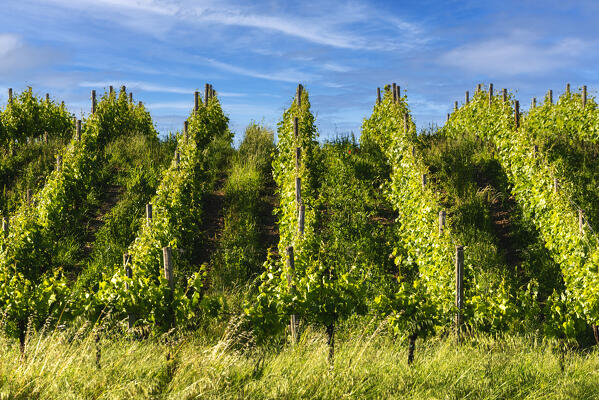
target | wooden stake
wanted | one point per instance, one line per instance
(9, 95)
(490, 93)
(448, 115)
(177, 158)
(123, 89)
(550, 94)
(423, 180)
(555, 185)
(442, 218)
(58, 162)
(298, 157)
(467, 97)
(535, 150)
(378, 95)
(185, 129)
(128, 274)
(206, 94)
(47, 97)
(93, 101)
(584, 96)
(394, 89)
(290, 273)
(580, 221)
(5, 226)
(140, 104)
(130, 97)
(517, 114)
(110, 91)
(478, 88)
(298, 95)
(78, 130)
(568, 89)
(298, 191)
(504, 94)
(301, 219)
(455, 105)
(196, 100)
(29, 196)
(398, 93)
(167, 258)
(295, 128)
(149, 213)
(459, 288)
(534, 102)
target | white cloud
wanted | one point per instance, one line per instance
(16, 56)
(516, 54)
(286, 75)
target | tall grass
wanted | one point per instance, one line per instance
(367, 365)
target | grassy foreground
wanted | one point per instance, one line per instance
(63, 365)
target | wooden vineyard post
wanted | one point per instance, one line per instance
(423, 180)
(517, 114)
(448, 115)
(550, 95)
(568, 89)
(394, 89)
(478, 88)
(295, 128)
(58, 163)
(149, 214)
(206, 94)
(555, 185)
(140, 104)
(459, 288)
(534, 102)
(298, 157)
(290, 273)
(167, 258)
(47, 98)
(535, 150)
(298, 95)
(29, 196)
(78, 130)
(128, 274)
(298, 190)
(378, 95)
(185, 129)
(584, 96)
(455, 106)
(123, 89)
(212, 91)
(110, 91)
(467, 97)
(442, 219)
(9, 95)
(196, 100)
(130, 97)
(580, 221)
(177, 158)
(93, 101)
(398, 93)
(490, 93)
(504, 94)
(5, 226)
(301, 219)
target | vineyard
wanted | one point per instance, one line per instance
(454, 261)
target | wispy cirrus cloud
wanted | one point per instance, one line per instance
(518, 53)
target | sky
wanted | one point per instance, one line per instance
(254, 53)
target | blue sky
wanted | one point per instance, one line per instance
(255, 53)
